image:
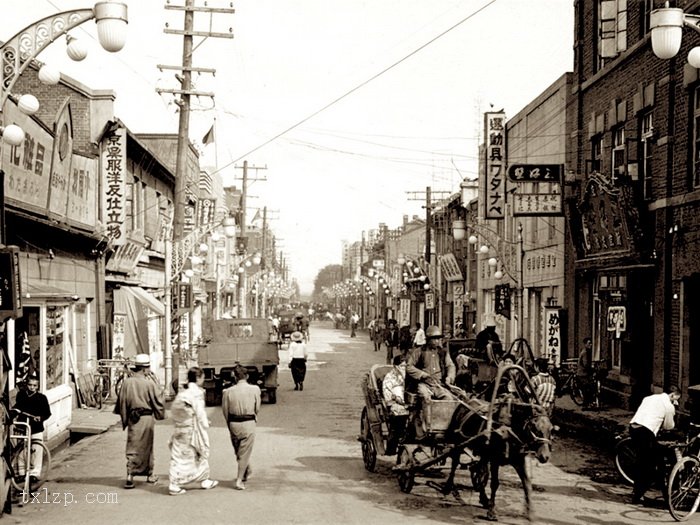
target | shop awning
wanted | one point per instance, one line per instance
(46, 291)
(145, 298)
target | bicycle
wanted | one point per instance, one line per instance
(678, 476)
(107, 369)
(23, 454)
(570, 383)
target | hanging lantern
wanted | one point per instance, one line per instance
(76, 50)
(49, 75)
(12, 135)
(28, 104)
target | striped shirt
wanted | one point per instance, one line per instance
(545, 387)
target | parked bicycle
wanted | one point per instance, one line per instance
(25, 454)
(677, 476)
(568, 382)
(109, 378)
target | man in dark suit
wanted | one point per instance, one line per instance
(391, 339)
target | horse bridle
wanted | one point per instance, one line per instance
(535, 438)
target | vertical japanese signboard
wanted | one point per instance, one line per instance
(495, 165)
(113, 166)
(405, 312)
(552, 335)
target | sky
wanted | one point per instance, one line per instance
(351, 106)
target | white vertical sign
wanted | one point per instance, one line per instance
(113, 168)
(495, 163)
(552, 335)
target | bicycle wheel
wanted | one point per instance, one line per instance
(576, 392)
(30, 483)
(683, 490)
(626, 459)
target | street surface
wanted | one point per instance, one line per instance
(308, 469)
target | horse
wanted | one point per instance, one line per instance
(511, 431)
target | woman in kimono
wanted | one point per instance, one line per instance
(189, 444)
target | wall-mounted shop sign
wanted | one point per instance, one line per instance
(114, 177)
(617, 320)
(495, 165)
(550, 203)
(535, 172)
(552, 335)
(450, 268)
(538, 189)
(605, 218)
(125, 258)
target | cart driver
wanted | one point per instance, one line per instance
(431, 366)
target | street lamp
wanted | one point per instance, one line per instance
(19, 51)
(667, 31)
(493, 262)
(173, 273)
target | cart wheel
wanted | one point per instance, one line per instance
(405, 476)
(684, 488)
(369, 453)
(626, 459)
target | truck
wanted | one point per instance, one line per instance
(251, 343)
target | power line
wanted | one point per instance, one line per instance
(361, 85)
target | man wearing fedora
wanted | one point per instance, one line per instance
(297, 359)
(139, 404)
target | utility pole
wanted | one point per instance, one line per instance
(429, 194)
(181, 175)
(242, 227)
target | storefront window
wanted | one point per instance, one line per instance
(55, 345)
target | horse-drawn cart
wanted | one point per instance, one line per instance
(502, 425)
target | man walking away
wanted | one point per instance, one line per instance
(240, 404)
(139, 404)
(656, 411)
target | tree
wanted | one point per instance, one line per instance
(326, 277)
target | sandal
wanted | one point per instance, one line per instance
(176, 491)
(209, 484)
(152, 479)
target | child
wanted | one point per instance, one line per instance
(545, 386)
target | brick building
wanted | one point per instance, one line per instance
(633, 206)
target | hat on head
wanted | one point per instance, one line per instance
(297, 336)
(142, 360)
(490, 320)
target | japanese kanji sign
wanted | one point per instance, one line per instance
(495, 163)
(114, 192)
(450, 268)
(502, 296)
(535, 172)
(552, 335)
(537, 203)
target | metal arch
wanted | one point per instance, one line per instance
(19, 51)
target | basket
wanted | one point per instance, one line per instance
(569, 365)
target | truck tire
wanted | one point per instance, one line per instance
(272, 396)
(210, 397)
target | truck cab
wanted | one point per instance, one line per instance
(252, 343)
